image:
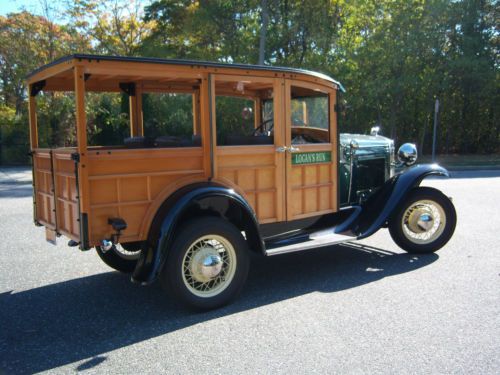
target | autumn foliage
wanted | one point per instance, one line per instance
(395, 57)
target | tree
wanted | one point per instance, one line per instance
(27, 42)
(116, 27)
(393, 56)
(263, 31)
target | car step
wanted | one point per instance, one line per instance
(318, 239)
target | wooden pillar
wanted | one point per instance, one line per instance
(257, 112)
(207, 118)
(33, 120)
(332, 95)
(140, 118)
(305, 118)
(81, 136)
(132, 105)
(136, 119)
(81, 116)
(333, 120)
(196, 113)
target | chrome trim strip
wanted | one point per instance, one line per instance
(312, 244)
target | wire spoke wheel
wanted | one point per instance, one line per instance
(209, 265)
(423, 222)
(126, 254)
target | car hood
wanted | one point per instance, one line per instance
(365, 141)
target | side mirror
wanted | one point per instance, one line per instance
(407, 154)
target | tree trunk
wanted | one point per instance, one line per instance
(263, 32)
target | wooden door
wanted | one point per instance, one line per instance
(311, 141)
(257, 171)
(45, 212)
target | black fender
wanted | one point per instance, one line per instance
(377, 210)
(193, 201)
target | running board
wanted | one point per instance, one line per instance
(315, 240)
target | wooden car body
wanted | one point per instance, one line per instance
(78, 189)
(276, 177)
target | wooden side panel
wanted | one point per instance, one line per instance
(66, 194)
(128, 184)
(254, 171)
(45, 211)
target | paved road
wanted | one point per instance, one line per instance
(364, 309)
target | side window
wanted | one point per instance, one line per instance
(235, 119)
(107, 118)
(56, 119)
(310, 119)
(168, 120)
(244, 113)
(267, 111)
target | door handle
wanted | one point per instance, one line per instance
(294, 149)
(281, 149)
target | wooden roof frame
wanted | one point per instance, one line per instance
(86, 73)
(103, 72)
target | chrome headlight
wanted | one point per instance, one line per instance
(407, 154)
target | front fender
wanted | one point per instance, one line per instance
(210, 197)
(380, 206)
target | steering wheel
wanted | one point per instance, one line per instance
(260, 128)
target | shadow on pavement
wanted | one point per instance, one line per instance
(15, 189)
(80, 319)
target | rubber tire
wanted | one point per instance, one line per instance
(423, 193)
(171, 275)
(115, 261)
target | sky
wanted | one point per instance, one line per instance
(34, 6)
(9, 6)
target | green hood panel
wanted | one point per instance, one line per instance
(365, 141)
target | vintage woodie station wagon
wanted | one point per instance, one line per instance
(188, 203)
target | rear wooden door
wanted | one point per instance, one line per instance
(311, 167)
(45, 212)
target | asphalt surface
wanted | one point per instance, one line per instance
(367, 308)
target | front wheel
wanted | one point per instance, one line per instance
(425, 222)
(207, 264)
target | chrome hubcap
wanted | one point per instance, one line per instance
(209, 266)
(423, 222)
(206, 264)
(420, 219)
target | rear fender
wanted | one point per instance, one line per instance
(193, 201)
(377, 210)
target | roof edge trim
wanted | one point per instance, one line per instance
(155, 60)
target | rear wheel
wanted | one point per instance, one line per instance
(425, 222)
(119, 258)
(207, 264)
